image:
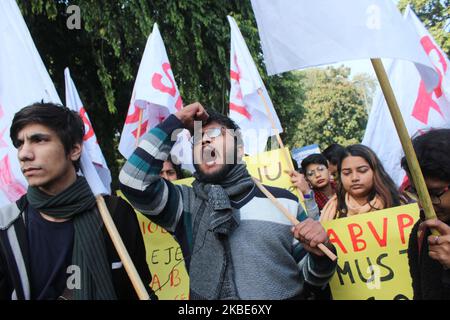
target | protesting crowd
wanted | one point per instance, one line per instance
(235, 244)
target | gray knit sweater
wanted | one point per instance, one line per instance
(261, 247)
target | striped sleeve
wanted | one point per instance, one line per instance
(312, 208)
(316, 270)
(139, 179)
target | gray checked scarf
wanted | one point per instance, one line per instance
(211, 269)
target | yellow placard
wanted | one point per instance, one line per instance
(268, 167)
(165, 259)
(185, 181)
(372, 254)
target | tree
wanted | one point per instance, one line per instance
(335, 109)
(104, 55)
(367, 85)
(435, 15)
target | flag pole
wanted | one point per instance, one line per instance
(139, 128)
(277, 134)
(293, 220)
(411, 158)
(121, 250)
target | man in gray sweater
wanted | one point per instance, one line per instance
(236, 243)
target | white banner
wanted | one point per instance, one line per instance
(93, 163)
(247, 108)
(156, 96)
(421, 110)
(297, 34)
(23, 81)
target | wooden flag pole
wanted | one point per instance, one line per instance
(277, 134)
(293, 220)
(139, 128)
(411, 158)
(121, 250)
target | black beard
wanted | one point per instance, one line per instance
(212, 177)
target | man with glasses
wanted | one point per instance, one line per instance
(429, 255)
(240, 245)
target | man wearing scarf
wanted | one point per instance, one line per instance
(236, 244)
(53, 244)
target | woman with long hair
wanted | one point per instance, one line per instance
(364, 185)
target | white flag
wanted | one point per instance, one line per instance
(247, 108)
(23, 81)
(93, 163)
(156, 95)
(297, 34)
(421, 110)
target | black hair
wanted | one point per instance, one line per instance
(67, 124)
(333, 153)
(176, 167)
(227, 123)
(315, 158)
(295, 164)
(383, 185)
(433, 153)
(220, 119)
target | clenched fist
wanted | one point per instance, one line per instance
(191, 113)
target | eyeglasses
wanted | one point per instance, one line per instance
(311, 173)
(434, 196)
(210, 133)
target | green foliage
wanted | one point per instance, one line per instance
(335, 109)
(435, 15)
(367, 85)
(104, 55)
(104, 58)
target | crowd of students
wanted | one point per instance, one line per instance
(346, 181)
(236, 244)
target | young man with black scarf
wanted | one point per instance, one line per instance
(236, 242)
(53, 244)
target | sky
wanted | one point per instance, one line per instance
(359, 66)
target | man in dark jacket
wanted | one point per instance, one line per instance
(429, 255)
(53, 244)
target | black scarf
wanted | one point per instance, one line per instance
(211, 268)
(78, 203)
